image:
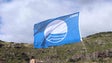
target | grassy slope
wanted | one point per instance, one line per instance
(17, 53)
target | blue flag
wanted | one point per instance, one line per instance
(57, 31)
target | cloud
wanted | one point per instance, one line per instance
(19, 16)
(0, 22)
(96, 18)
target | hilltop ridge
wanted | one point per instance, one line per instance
(98, 48)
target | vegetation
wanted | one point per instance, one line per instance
(94, 48)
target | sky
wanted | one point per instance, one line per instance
(17, 17)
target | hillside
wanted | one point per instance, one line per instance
(97, 48)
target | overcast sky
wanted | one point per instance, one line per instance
(17, 17)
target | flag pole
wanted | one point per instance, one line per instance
(85, 49)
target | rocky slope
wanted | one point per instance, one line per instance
(94, 48)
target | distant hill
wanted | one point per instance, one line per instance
(95, 48)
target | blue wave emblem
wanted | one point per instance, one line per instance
(55, 38)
